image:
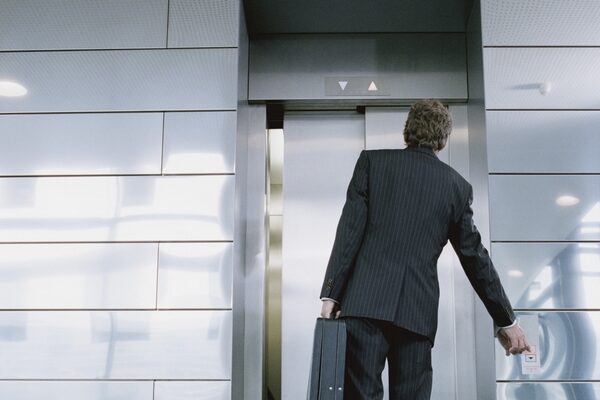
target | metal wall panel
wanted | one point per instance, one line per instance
(549, 275)
(514, 78)
(541, 119)
(79, 144)
(192, 390)
(549, 391)
(543, 141)
(569, 344)
(206, 23)
(80, 255)
(539, 23)
(115, 344)
(122, 80)
(125, 208)
(195, 275)
(200, 142)
(408, 66)
(85, 275)
(83, 24)
(75, 390)
(545, 207)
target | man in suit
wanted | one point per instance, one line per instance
(402, 206)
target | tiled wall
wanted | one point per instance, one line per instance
(542, 104)
(121, 215)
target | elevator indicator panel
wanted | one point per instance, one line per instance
(357, 86)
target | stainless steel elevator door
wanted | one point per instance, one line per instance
(320, 151)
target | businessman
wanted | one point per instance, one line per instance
(402, 207)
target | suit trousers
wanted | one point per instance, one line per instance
(369, 343)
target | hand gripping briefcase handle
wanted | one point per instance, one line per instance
(326, 380)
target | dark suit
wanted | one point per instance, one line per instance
(402, 207)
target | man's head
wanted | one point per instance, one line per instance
(428, 125)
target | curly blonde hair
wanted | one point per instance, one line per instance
(428, 125)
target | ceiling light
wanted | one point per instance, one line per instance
(12, 89)
(515, 273)
(567, 200)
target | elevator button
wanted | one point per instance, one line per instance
(530, 358)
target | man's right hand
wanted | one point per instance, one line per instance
(513, 340)
(330, 309)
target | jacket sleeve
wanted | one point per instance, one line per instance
(478, 266)
(350, 231)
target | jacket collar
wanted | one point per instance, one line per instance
(424, 150)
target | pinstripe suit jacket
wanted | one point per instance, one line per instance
(402, 207)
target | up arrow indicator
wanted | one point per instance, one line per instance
(342, 84)
(372, 87)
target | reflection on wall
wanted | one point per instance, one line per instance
(104, 344)
(116, 208)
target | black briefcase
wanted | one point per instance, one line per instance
(326, 380)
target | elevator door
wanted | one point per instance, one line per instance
(320, 151)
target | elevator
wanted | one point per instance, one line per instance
(339, 92)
